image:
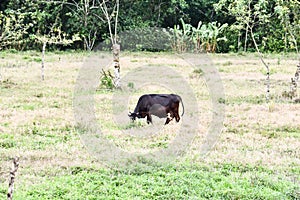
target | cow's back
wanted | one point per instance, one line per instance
(146, 101)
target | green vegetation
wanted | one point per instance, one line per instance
(209, 25)
(166, 182)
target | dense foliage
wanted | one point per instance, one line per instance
(209, 25)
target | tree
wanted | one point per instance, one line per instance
(111, 15)
(12, 28)
(288, 12)
(85, 18)
(87, 11)
(249, 14)
(155, 13)
(53, 35)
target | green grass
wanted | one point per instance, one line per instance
(283, 131)
(227, 181)
(251, 99)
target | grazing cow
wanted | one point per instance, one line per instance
(160, 105)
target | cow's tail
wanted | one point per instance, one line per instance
(182, 105)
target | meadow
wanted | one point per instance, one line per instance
(256, 156)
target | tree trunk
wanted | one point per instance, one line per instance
(263, 61)
(239, 42)
(43, 61)
(297, 73)
(116, 54)
(246, 39)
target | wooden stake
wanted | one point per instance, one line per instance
(12, 178)
(43, 61)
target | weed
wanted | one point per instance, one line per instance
(198, 71)
(13, 51)
(7, 83)
(280, 132)
(227, 63)
(130, 85)
(6, 144)
(38, 60)
(107, 80)
(221, 101)
(252, 99)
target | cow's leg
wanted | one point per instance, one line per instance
(177, 117)
(149, 119)
(176, 113)
(170, 117)
(168, 120)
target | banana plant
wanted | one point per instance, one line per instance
(203, 38)
(182, 37)
(215, 31)
(177, 38)
(186, 37)
(197, 37)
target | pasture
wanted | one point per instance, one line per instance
(257, 155)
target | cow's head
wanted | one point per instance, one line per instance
(132, 116)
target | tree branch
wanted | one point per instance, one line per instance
(265, 64)
(116, 22)
(105, 12)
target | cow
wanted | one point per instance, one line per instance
(160, 105)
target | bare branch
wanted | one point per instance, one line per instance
(105, 11)
(262, 60)
(98, 17)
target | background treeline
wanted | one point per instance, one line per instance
(180, 25)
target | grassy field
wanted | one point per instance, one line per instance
(257, 155)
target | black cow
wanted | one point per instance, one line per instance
(159, 105)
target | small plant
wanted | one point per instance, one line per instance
(293, 86)
(6, 83)
(130, 85)
(107, 80)
(38, 60)
(288, 94)
(197, 73)
(227, 63)
(221, 101)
